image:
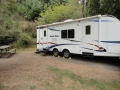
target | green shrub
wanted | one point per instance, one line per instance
(24, 41)
(33, 34)
(9, 37)
(30, 29)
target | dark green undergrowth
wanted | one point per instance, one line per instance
(24, 41)
(14, 28)
(100, 85)
(17, 39)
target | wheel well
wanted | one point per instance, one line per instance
(55, 48)
(65, 49)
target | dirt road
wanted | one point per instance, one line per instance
(30, 71)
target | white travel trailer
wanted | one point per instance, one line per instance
(91, 36)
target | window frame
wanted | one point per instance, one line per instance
(44, 33)
(67, 34)
(62, 32)
(89, 30)
(73, 33)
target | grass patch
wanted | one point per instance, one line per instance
(60, 74)
(1, 86)
(32, 48)
(49, 86)
(32, 87)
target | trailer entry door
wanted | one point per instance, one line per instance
(87, 37)
(44, 39)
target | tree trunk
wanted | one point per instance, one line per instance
(83, 15)
(117, 1)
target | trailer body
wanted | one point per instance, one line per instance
(91, 36)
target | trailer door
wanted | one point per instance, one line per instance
(87, 37)
(44, 38)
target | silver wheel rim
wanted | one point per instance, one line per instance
(66, 54)
(55, 52)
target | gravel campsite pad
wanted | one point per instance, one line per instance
(30, 71)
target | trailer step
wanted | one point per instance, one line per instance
(43, 51)
(87, 54)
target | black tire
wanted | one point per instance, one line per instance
(56, 52)
(66, 53)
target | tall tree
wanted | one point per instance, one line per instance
(62, 12)
(93, 7)
(111, 7)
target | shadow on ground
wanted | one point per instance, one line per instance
(106, 62)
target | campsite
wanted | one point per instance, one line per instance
(59, 45)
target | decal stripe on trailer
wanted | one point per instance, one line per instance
(115, 42)
(52, 29)
(100, 49)
(102, 21)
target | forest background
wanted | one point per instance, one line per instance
(19, 18)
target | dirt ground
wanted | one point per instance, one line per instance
(27, 70)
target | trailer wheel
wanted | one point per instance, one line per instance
(55, 52)
(66, 53)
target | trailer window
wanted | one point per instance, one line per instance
(70, 33)
(87, 30)
(45, 33)
(63, 33)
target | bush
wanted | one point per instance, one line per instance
(8, 37)
(33, 34)
(24, 41)
(30, 28)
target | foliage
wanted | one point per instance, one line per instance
(12, 24)
(9, 19)
(14, 29)
(110, 7)
(61, 12)
(9, 37)
(93, 7)
(104, 7)
(56, 1)
(34, 7)
(20, 17)
(21, 9)
(40, 21)
(58, 13)
(24, 41)
(31, 30)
